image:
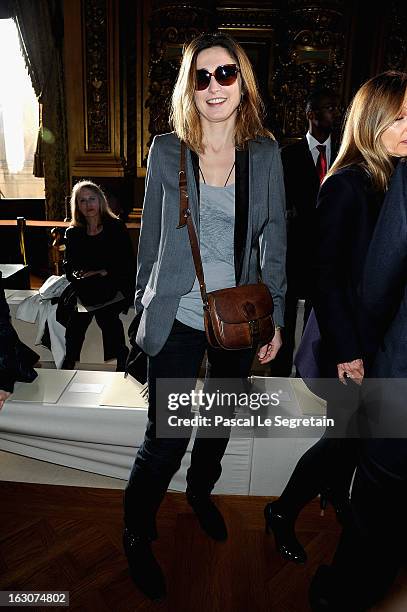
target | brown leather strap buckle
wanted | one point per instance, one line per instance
(254, 328)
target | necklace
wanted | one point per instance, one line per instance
(228, 177)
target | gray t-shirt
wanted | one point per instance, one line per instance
(217, 225)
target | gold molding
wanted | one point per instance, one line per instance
(256, 35)
(92, 81)
(143, 17)
(96, 69)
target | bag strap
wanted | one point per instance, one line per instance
(186, 219)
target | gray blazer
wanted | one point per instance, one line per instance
(165, 269)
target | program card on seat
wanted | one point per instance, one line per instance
(47, 388)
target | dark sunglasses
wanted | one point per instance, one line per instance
(225, 75)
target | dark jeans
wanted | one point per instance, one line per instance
(108, 320)
(159, 458)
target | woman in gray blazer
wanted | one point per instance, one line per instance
(236, 198)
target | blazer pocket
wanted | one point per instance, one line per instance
(147, 296)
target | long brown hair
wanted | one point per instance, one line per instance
(184, 114)
(78, 220)
(374, 108)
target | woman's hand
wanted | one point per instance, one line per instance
(3, 396)
(94, 273)
(353, 369)
(82, 274)
(269, 351)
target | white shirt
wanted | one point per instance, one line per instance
(313, 143)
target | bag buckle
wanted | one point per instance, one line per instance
(254, 328)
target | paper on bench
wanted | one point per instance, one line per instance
(8, 270)
(310, 403)
(47, 388)
(295, 397)
(124, 392)
(86, 388)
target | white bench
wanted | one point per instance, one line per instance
(78, 432)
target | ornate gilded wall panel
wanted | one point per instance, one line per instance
(395, 54)
(129, 66)
(294, 46)
(311, 49)
(254, 29)
(161, 36)
(247, 18)
(96, 75)
(94, 88)
(172, 25)
(143, 22)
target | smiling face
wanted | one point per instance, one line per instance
(88, 203)
(217, 103)
(394, 137)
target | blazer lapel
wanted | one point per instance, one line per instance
(195, 165)
(241, 204)
(241, 209)
(193, 185)
(309, 169)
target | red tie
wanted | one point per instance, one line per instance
(321, 165)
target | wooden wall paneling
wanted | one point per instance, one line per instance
(394, 37)
(129, 61)
(376, 41)
(143, 19)
(171, 25)
(350, 38)
(141, 87)
(93, 87)
(162, 27)
(254, 28)
(295, 46)
(73, 78)
(363, 58)
(311, 47)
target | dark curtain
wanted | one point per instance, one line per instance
(40, 26)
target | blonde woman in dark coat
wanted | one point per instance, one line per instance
(349, 203)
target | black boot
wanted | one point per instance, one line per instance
(282, 527)
(208, 516)
(144, 569)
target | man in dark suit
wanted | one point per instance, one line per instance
(305, 164)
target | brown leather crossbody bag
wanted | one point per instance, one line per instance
(235, 318)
